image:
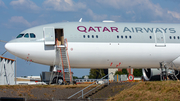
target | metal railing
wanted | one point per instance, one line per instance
(88, 87)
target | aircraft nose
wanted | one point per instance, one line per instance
(16, 49)
(9, 47)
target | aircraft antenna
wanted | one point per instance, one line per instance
(80, 20)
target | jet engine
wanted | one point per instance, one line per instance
(151, 74)
(154, 74)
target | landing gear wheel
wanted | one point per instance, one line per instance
(58, 81)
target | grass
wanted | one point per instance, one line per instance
(43, 86)
(26, 90)
(150, 91)
(143, 91)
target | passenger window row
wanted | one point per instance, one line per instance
(27, 35)
(123, 37)
(90, 36)
(174, 37)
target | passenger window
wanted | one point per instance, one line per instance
(32, 35)
(26, 35)
(88, 36)
(170, 37)
(20, 36)
(92, 36)
(174, 37)
(130, 37)
(84, 36)
(122, 37)
(96, 36)
(178, 37)
(126, 37)
(118, 36)
(150, 37)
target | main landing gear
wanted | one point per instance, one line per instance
(168, 72)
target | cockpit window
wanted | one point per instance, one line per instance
(20, 36)
(32, 35)
(26, 35)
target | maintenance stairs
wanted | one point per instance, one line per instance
(64, 57)
(63, 68)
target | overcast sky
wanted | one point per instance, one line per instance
(18, 15)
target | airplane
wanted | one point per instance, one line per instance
(102, 45)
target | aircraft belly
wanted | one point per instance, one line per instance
(122, 55)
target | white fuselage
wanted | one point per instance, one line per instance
(100, 55)
(94, 53)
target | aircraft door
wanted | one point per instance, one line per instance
(59, 36)
(49, 35)
(159, 37)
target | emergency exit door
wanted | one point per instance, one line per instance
(159, 38)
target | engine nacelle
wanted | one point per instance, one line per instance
(151, 74)
(154, 74)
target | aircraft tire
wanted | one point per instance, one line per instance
(58, 80)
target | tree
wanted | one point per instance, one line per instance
(124, 71)
(118, 73)
(96, 73)
(137, 72)
(75, 77)
(82, 77)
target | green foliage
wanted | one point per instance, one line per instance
(96, 73)
(118, 72)
(124, 71)
(82, 77)
(137, 72)
(75, 77)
